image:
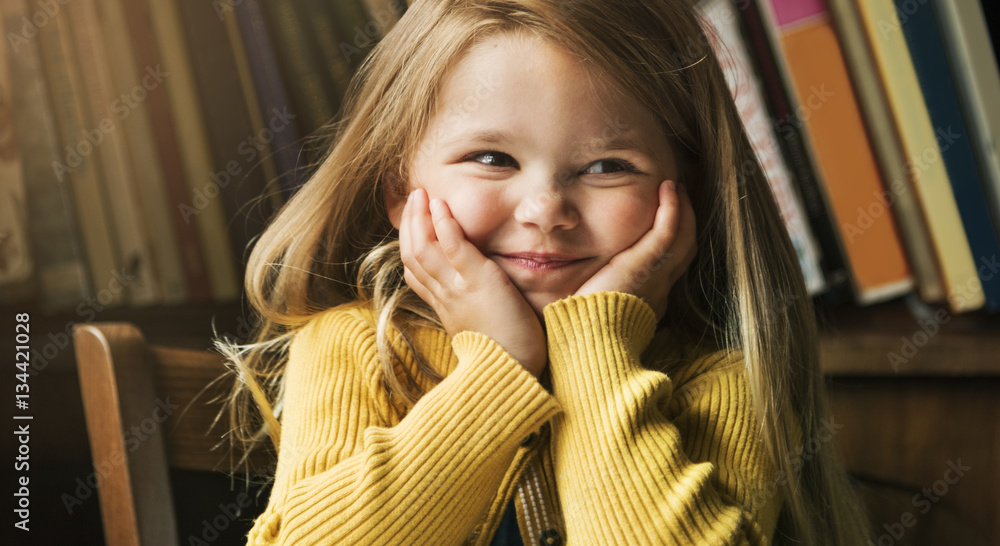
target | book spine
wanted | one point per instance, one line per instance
(189, 253)
(301, 68)
(974, 64)
(202, 207)
(919, 140)
(793, 141)
(107, 109)
(137, 85)
(930, 61)
(61, 277)
(258, 149)
(15, 252)
(266, 74)
(744, 86)
(833, 120)
(900, 193)
(240, 185)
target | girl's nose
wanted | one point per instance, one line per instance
(547, 206)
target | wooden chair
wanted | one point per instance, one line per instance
(141, 422)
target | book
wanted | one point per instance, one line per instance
(257, 148)
(852, 183)
(301, 68)
(136, 85)
(920, 140)
(900, 193)
(933, 68)
(731, 51)
(60, 275)
(190, 255)
(107, 110)
(240, 186)
(272, 93)
(974, 67)
(762, 40)
(202, 207)
(15, 253)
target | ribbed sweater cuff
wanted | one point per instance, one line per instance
(595, 340)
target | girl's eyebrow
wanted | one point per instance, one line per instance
(626, 140)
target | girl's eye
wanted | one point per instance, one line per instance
(492, 159)
(610, 166)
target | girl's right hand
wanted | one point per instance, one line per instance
(466, 289)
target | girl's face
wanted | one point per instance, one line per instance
(536, 157)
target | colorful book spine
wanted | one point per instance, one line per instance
(746, 90)
(852, 182)
(930, 61)
(920, 138)
(900, 193)
(974, 66)
(763, 41)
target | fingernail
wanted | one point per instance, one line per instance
(436, 205)
(671, 185)
(410, 197)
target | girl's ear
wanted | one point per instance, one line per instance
(394, 192)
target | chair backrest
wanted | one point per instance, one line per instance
(146, 410)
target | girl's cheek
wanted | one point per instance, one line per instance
(477, 212)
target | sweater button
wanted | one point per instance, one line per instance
(529, 439)
(550, 537)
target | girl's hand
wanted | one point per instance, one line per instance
(650, 267)
(466, 289)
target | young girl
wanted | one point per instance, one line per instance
(467, 335)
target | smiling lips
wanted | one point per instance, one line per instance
(540, 262)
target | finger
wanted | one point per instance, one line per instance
(687, 236)
(462, 254)
(654, 248)
(426, 249)
(408, 254)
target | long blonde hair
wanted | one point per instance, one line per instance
(333, 244)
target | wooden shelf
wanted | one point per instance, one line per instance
(890, 340)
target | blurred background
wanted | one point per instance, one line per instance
(145, 144)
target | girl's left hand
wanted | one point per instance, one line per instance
(650, 267)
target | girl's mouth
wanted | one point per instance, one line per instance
(531, 264)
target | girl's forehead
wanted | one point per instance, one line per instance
(481, 68)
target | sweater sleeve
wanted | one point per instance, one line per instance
(636, 464)
(345, 477)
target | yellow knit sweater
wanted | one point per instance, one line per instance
(619, 452)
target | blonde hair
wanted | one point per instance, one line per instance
(333, 244)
